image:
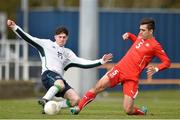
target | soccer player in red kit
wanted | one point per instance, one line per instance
(128, 69)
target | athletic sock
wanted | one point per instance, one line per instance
(52, 92)
(88, 97)
(137, 111)
(65, 103)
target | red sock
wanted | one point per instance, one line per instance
(137, 111)
(88, 97)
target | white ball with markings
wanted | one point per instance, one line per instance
(51, 108)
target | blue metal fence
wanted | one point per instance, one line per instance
(112, 24)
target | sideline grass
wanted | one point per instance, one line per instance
(161, 105)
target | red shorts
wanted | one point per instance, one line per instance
(130, 87)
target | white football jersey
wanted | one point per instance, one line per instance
(54, 57)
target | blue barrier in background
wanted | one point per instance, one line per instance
(112, 24)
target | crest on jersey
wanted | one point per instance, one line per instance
(147, 44)
(60, 55)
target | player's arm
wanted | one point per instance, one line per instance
(85, 63)
(130, 36)
(30, 39)
(165, 61)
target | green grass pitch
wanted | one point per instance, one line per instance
(161, 105)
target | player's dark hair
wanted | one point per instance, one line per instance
(60, 30)
(150, 23)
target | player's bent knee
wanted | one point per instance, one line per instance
(74, 101)
(60, 84)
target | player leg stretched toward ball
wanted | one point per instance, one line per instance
(56, 59)
(128, 69)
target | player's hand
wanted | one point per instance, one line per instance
(151, 70)
(11, 23)
(107, 57)
(125, 36)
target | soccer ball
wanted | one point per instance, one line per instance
(51, 108)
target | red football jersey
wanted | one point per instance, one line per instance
(139, 55)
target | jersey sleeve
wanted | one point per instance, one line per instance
(165, 61)
(34, 41)
(132, 37)
(75, 61)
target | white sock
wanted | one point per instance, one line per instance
(51, 93)
(63, 104)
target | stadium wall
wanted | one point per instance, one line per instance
(112, 24)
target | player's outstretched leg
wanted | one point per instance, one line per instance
(53, 90)
(87, 98)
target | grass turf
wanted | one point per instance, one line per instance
(161, 105)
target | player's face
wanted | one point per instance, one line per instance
(61, 39)
(145, 32)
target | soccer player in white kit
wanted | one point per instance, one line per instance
(55, 60)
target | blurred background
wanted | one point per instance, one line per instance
(95, 27)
